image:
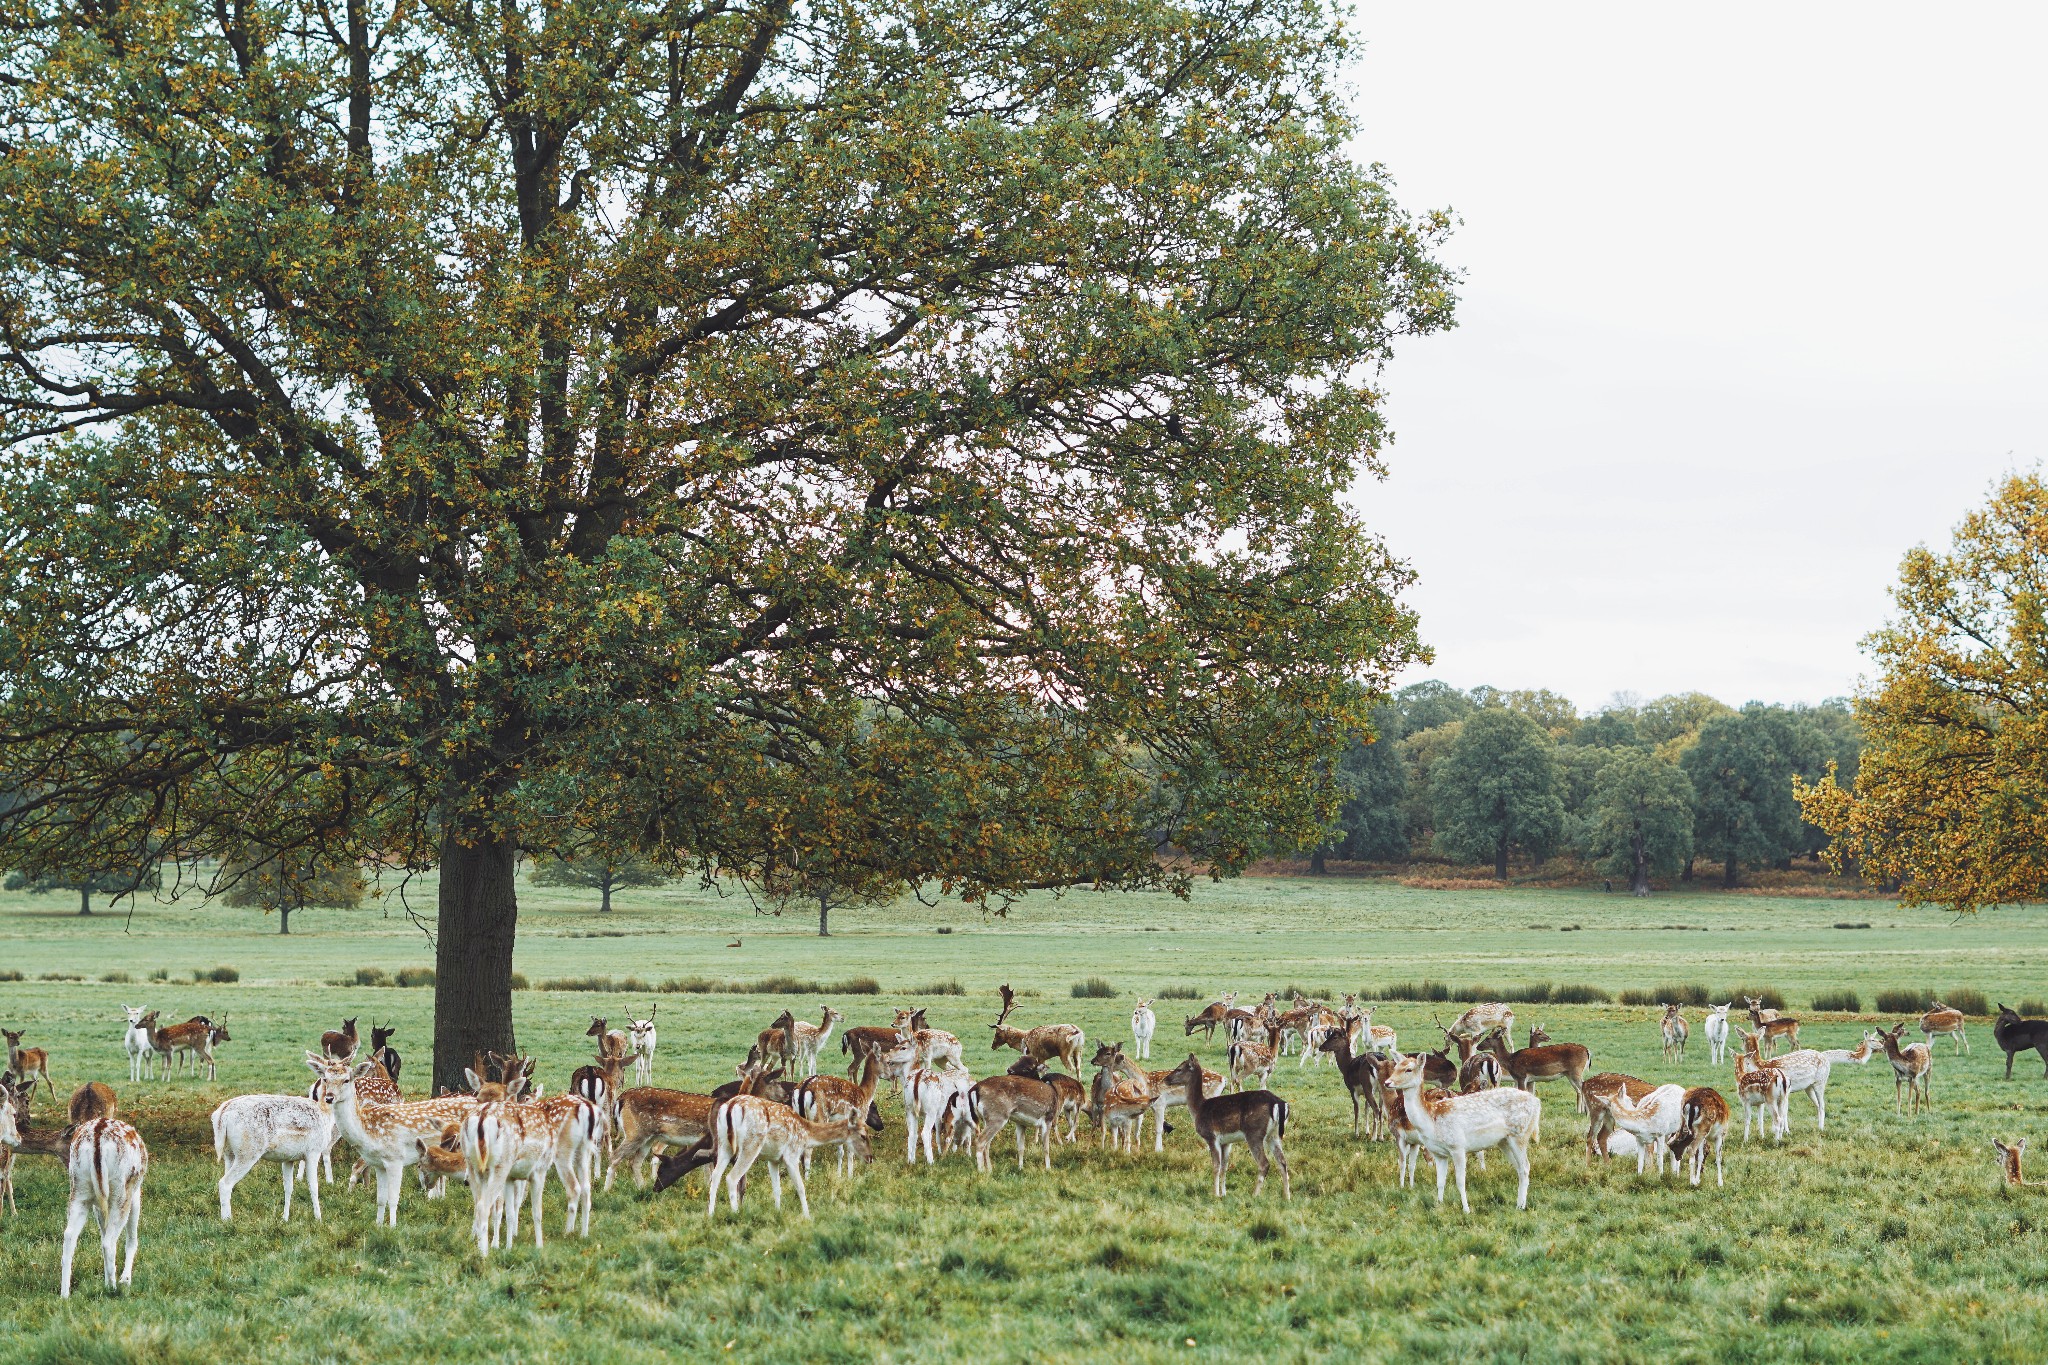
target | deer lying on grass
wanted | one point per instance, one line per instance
(1716, 1029)
(1653, 1121)
(107, 1163)
(750, 1127)
(1256, 1118)
(341, 1042)
(1676, 1032)
(292, 1130)
(1143, 1024)
(803, 1041)
(996, 1102)
(27, 1064)
(1702, 1121)
(385, 1135)
(135, 1042)
(2015, 1035)
(1451, 1127)
(1600, 1119)
(1772, 1026)
(1043, 1044)
(1548, 1062)
(1212, 1014)
(1912, 1066)
(643, 1039)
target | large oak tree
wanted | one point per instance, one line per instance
(913, 431)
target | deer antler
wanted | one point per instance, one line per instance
(1009, 1003)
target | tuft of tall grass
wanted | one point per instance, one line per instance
(117, 978)
(1968, 1001)
(414, 976)
(1094, 988)
(222, 974)
(12, 974)
(2032, 1009)
(62, 976)
(939, 988)
(1688, 994)
(160, 974)
(372, 976)
(704, 985)
(1897, 1001)
(1845, 924)
(1770, 996)
(519, 982)
(1425, 990)
(1178, 993)
(1579, 995)
(1841, 1001)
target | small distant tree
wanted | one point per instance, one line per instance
(1742, 768)
(1641, 817)
(799, 883)
(87, 882)
(285, 882)
(599, 871)
(1494, 792)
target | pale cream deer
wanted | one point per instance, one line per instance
(107, 1163)
(1452, 1127)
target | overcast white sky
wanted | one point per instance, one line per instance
(1756, 299)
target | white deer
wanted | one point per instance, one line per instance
(1451, 1127)
(107, 1163)
(295, 1131)
(141, 1052)
(1652, 1121)
(1143, 1024)
(1716, 1029)
(641, 1035)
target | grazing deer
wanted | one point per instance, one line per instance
(1476, 1023)
(1600, 1120)
(382, 1053)
(1256, 1118)
(1766, 1089)
(1073, 1098)
(930, 1094)
(1675, 1034)
(341, 1042)
(1653, 1121)
(1716, 1029)
(642, 1031)
(1942, 1022)
(1249, 1061)
(1212, 1014)
(1451, 1127)
(291, 1130)
(27, 1064)
(648, 1116)
(135, 1041)
(1143, 1024)
(1912, 1066)
(1551, 1061)
(1771, 1026)
(107, 1163)
(750, 1127)
(2016, 1035)
(1702, 1120)
(2008, 1160)
(385, 1135)
(803, 1041)
(996, 1102)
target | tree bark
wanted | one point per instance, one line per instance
(85, 900)
(478, 918)
(824, 910)
(284, 919)
(1728, 872)
(1500, 861)
(1639, 876)
(1686, 875)
(1316, 866)
(604, 905)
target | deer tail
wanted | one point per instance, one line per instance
(1280, 1111)
(220, 1150)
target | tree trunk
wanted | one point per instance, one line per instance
(1728, 872)
(284, 919)
(1686, 875)
(824, 910)
(1500, 861)
(1639, 876)
(1316, 866)
(85, 900)
(604, 905)
(478, 918)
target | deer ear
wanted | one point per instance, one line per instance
(360, 1070)
(475, 1083)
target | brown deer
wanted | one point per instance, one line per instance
(1360, 1078)
(382, 1053)
(27, 1064)
(1212, 1014)
(1912, 1066)
(1595, 1090)
(1256, 1118)
(1550, 1062)
(2009, 1161)
(1043, 1044)
(1073, 1096)
(1702, 1121)
(859, 1044)
(1771, 1026)
(1676, 1032)
(340, 1042)
(608, 1039)
(750, 1127)
(998, 1101)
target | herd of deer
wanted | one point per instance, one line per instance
(504, 1139)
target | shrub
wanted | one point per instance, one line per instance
(1845, 1002)
(160, 974)
(1410, 990)
(1569, 928)
(703, 985)
(578, 983)
(687, 985)
(1094, 988)
(1638, 997)
(1292, 989)
(944, 929)
(220, 974)
(941, 988)
(1771, 997)
(117, 978)
(519, 982)
(1532, 993)
(1178, 993)
(2032, 1009)
(372, 976)
(1691, 996)
(12, 974)
(1968, 1001)
(1845, 924)
(415, 976)
(1579, 995)
(1902, 1001)
(61, 976)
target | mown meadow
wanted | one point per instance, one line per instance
(1884, 1238)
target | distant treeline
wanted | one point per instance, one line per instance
(1639, 788)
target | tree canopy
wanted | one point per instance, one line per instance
(280, 885)
(1641, 816)
(1951, 799)
(1742, 769)
(1495, 790)
(614, 414)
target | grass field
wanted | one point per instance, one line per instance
(1885, 1238)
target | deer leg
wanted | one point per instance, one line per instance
(237, 1167)
(74, 1223)
(133, 1224)
(291, 1171)
(1458, 1157)
(1518, 1153)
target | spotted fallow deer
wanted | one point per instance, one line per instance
(107, 1162)
(996, 1102)
(1043, 1044)
(1764, 1093)
(1451, 1127)
(1117, 1102)
(1942, 1022)
(1702, 1122)
(1600, 1119)
(1256, 1118)
(615, 1040)
(934, 1102)
(1912, 1066)
(27, 1064)
(649, 1115)
(935, 1046)
(385, 1135)
(1654, 1120)
(828, 1099)
(750, 1127)
(1772, 1026)
(10, 1138)
(1550, 1062)
(1676, 1033)
(1481, 1020)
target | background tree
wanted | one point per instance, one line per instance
(1371, 825)
(599, 871)
(1426, 705)
(1742, 769)
(87, 882)
(1495, 790)
(612, 414)
(1641, 817)
(282, 882)
(1420, 753)
(1951, 801)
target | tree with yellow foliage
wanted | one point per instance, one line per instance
(1951, 800)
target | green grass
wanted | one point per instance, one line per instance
(1885, 1238)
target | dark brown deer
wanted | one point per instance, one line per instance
(1360, 1077)
(1212, 1014)
(341, 1042)
(1550, 1062)
(2016, 1035)
(1257, 1118)
(381, 1051)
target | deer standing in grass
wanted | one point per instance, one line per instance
(107, 1163)
(1716, 1029)
(1118, 1102)
(385, 1135)
(1766, 1089)
(292, 1130)
(829, 1099)
(340, 1043)
(27, 1064)
(1360, 1079)
(643, 1039)
(1475, 1023)
(1702, 1122)
(135, 1042)
(806, 1040)
(1676, 1032)
(1144, 1023)
(1250, 1061)
(930, 1094)
(1451, 1127)
(1772, 1026)
(750, 1128)
(1912, 1066)
(1652, 1122)
(1043, 1044)
(935, 1046)
(10, 1138)
(1600, 1119)
(1942, 1022)
(1212, 1014)
(1256, 1118)
(1546, 1062)
(998, 1101)
(1808, 1070)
